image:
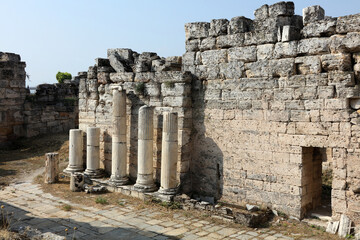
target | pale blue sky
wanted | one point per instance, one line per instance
(67, 35)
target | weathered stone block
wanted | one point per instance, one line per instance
(336, 62)
(262, 12)
(281, 9)
(350, 23)
(348, 43)
(197, 30)
(218, 27)
(192, 45)
(231, 70)
(177, 101)
(320, 28)
(285, 49)
(312, 14)
(282, 67)
(122, 77)
(308, 65)
(240, 25)
(342, 79)
(175, 89)
(212, 57)
(231, 40)
(144, 76)
(244, 54)
(207, 44)
(265, 51)
(314, 46)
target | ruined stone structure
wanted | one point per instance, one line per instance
(53, 108)
(261, 104)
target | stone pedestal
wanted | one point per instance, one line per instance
(93, 153)
(51, 168)
(169, 154)
(75, 152)
(118, 158)
(144, 181)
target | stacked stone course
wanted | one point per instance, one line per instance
(256, 99)
(53, 108)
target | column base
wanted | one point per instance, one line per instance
(73, 169)
(118, 182)
(145, 188)
(169, 191)
(98, 173)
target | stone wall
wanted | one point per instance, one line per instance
(266, 90)
(258, 101)
(12, 96)
(52, 109)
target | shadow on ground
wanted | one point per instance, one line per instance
(20, 219)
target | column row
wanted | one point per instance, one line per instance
(145, 181)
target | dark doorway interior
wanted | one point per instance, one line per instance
(316, 181)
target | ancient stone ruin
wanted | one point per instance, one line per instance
(263, 106)
(254, 112)
(52, 109)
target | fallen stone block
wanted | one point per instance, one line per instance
(332, 227)
(344, 226)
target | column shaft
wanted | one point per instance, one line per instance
(169, 154)
(75, 151)
(93, 152)
(145, 181)
(118, 158)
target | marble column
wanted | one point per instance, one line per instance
(51, 168)
(169, 154)
(75, 152)
(145, 181)
(93, 153)
(118, 158)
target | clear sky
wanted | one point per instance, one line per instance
(67, 35)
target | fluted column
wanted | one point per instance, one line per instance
(169, 153)
(118, 158)
(75, 152)
(145, 181)
(93, 152)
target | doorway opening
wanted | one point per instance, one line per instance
(316, 182)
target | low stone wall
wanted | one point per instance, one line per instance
(53, 108)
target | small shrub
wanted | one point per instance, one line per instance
(169, 84)
(61, 76)
(140, 88)
(101, 200)
(67, 207)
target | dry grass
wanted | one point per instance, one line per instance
(28, 155)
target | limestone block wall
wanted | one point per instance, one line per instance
(263, 91)
(52, 109)
(147, 79)
(12, 96)
(264, 106)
